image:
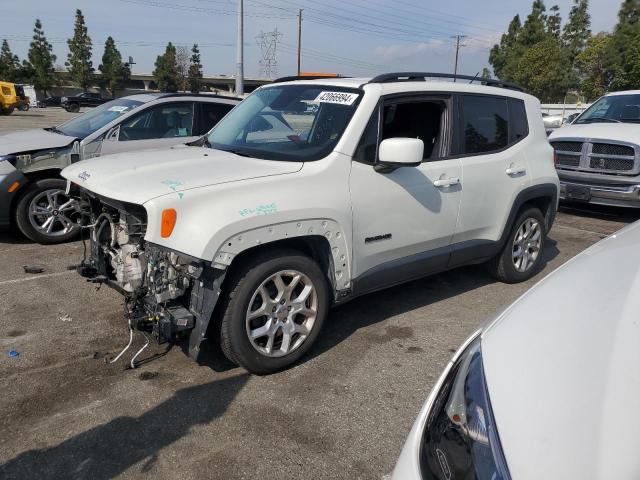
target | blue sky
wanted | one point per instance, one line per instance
(350, 37)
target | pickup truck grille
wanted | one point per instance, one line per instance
(598, 157)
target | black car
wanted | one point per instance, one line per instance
(84, 99)
(49, 102)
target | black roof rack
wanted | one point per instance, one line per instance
(293, 78)
(422, 76)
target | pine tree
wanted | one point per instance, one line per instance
(502, 55)
(41, 60)
(166, 71)
(486, 73)
(534, 29)
(195, 70)
(79, 57)
(576, 31)
(625, 38)
(554, 21)
(114, 72)
(9, 63)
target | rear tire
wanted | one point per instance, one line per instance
(269, 323)
(44, 201)
(6, 111)
(521, 255)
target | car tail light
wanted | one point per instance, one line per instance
(168, 221)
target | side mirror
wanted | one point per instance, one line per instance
(113, 133)
(401, 152)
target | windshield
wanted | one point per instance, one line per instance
(87, 123)
(613, 109)
(288, 122)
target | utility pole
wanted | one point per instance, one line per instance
(458, 47)
(240, 51)
(299, 38)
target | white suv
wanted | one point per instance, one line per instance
(310, 193)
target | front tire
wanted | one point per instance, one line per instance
(44, 214)
(274, 311)
(72, 108)
(521, 255)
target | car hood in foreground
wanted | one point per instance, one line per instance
(31, 140)
(137, 177)
(621, 132)
(563, 368)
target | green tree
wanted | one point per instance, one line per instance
(592, 63)
(195, 70)
(41, 60)
(544, 70)
(79, 57)
(576, 31)
(166, 71)
(502, 56)
(534, 29)
(554, 21)
(114, 72)
(9, 63)
(623, 46)
(486, 73)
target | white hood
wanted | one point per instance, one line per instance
(29, 140)
(623, 132)
(563, 367)
(137, 177)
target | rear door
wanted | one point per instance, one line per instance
(160, 125)
(489, 132)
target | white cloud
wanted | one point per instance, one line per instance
(389, 53)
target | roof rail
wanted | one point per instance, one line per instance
(422, 76)
(293, 78)
(199, 94)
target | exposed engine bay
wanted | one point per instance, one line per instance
(167, 294)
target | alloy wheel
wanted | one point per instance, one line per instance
(51, 213)
(281, 313)
(527, 244)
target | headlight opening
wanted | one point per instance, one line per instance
(460, 439)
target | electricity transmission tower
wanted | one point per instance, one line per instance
(268, 43)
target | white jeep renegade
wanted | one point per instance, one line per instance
(310, 193)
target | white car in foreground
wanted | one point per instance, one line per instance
(549, 388)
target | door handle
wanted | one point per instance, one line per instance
(447, 182)
(515, 170)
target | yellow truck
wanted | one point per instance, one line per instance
(11, 97)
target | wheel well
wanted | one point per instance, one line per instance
(314, 246)
(544, 205)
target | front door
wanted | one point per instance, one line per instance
(158, 126)
(403, 220)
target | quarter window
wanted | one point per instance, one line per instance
(485, 123)
(518, 124)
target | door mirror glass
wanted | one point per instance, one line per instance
(401, 152)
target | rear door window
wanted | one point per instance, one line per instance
(485, 123)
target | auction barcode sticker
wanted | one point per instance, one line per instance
(341, 98)
(118, 108)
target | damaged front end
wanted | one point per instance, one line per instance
(168, 294)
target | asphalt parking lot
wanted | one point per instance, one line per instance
(343, 412)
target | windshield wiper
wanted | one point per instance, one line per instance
(599, 119)
(55, 130)
(240, 153)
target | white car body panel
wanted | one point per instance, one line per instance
(36, 139)
(561, 365)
